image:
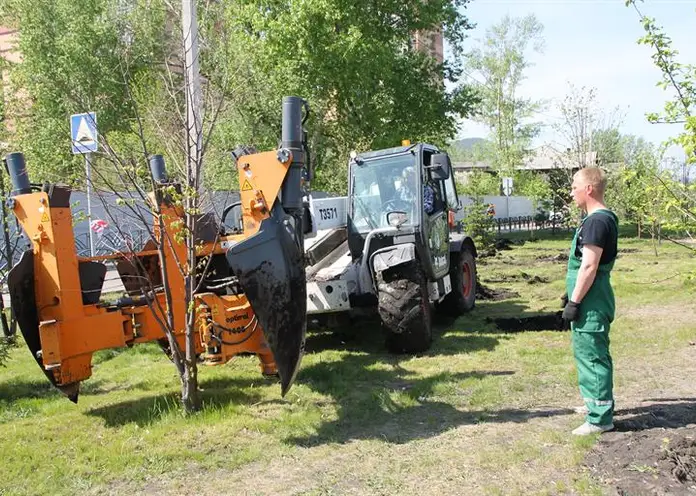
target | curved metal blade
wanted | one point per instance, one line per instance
(270, 268)
(20, 282)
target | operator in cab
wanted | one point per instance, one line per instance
(407, 192)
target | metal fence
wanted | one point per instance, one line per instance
(528, 223)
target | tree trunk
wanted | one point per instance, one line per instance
(653, 232)
(189, 386)
(659, 234)
(189, 379)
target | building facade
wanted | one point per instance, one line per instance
(430, 42)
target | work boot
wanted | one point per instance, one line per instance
(587, 428)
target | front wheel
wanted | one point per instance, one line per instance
(463, 278)
(404, 308)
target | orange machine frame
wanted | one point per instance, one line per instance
(71, 331)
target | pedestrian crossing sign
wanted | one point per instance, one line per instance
(83, 130)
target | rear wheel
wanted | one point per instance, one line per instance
(404, 309)
(463, 278)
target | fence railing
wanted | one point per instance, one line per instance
(500, 226)
(528, 223)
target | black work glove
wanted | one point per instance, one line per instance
(571, 311)
(564, 300)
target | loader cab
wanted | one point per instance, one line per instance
(402, 195)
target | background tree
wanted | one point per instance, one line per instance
(630, 188)
(74, 58)
(536, 188)
(499, 61)
(356, 64)
(589, 134)
(479, 184)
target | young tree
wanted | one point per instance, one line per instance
(681, 79)
(500, 61)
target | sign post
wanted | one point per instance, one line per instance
(507, 191)
(83, 131)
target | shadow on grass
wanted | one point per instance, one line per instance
(507, 316)
(451, 336)
(668, 414)
(149, 410)
(363, 386)
(363, 382)
(17, 389)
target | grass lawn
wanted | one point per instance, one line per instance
(483, 412)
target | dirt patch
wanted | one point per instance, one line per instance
(561, 257)
(661, 312)
(652, 451)
(487, 253)
(522, 276)
(503, 244)
(544, 322)
(494, 294)
(628, 250)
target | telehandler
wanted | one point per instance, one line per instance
(254, 301)
(392, 246)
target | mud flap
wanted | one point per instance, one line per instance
(270, 268)
(20, 282)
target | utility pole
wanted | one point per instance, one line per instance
(194, 109)
(194, 157)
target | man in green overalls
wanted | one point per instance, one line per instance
(590, 306)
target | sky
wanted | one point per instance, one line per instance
(593, 43)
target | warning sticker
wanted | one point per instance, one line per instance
(247, 186)
(44, 217)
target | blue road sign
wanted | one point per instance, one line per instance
(83, 130)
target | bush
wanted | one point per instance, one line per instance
(479, 225)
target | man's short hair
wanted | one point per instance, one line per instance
(595, 177)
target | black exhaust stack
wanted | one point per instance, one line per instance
(17, 170)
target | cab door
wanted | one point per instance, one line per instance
(435, 223)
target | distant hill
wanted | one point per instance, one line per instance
(463, 150)
(467, 143)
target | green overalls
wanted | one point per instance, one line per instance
(591, 335)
